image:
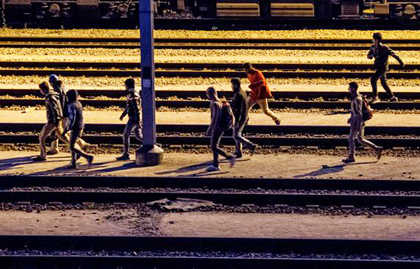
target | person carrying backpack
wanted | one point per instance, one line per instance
(220, 122)
(360, 112)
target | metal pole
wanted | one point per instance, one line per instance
(148, 154)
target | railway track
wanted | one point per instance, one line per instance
(374, 194)
(205, 43)
(202, 73)
(268, 136)
(186, 94)
(179, 252)
(5, 102)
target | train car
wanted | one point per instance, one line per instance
(274, 10)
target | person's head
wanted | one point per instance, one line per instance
(72, 96)
(377, 38)
(353, 87)
(247, 66)
(236, 84)
(58, 84)
(129, 84)
(211, 93)
(44, 88)
(53, 78)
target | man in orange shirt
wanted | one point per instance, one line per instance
(259, 91)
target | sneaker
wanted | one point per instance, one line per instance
(252, 149)
(237, 155)
(123, 157)
(232, 161)
(38, 159)
(52, 152)
(375, 100)
(213, 168)
(348, 160)
(90, 160)
(393, 99)
(379, 153)
(277, 122)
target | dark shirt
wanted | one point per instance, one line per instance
(381, 55)
(62, 92)
(54, 109)
(133, 106)
(75, 111)
(240, 107)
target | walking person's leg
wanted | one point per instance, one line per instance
(240, 140)
(263, 103)
(215, 141)
(126, 138)
(75, 134)
(374, 82)
(45, 132)
(352, 146)
(387, 88)
(363, 141)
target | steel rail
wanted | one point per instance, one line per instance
(204, 74)
(272, 141)
(244, 46)
(249, 129)
(201, 40)
(201, 252)
(266, 67)
(184, 94)
(205, 104)
(19, 181)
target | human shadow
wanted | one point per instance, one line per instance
(125, 166)
(326, 169)
(65, 169)
(194, 167)
(13, 163)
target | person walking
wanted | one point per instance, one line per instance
(259, 91)
(134, 123)
(381, 54)
(357, 125)
(240, 111)
(75, 125)
(54, 120)
(216, 131)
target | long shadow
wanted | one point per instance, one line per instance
(326, 169)
(195, 167)
(66, 170)
(12, 163)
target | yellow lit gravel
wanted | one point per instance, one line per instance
(286, 34)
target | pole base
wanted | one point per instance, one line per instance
(149, 155)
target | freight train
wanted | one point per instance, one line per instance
(40, 10)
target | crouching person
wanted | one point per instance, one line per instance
(134, 123)
(75, 125)
(54, 119)
(357, 124)
(216, 130)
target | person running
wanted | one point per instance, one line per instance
(134, 123)
(259, 91)
(75, 125)
(357, 125)
(54, 119)
(216, 131)
(381, 54)
(240, 111)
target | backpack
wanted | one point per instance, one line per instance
(367, 111)
(227, 118)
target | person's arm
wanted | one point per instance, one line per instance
(135, 105)
(214, 119)
(370, 53)
(395, 56)
(72, 118)
(125, 111)
(55, 108)
(358, 117)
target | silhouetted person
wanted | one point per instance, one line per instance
(381, 54)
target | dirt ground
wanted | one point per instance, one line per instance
(289, 226)
(274, 166)
(309, 118)
(69, 222)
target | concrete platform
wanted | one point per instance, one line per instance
(275, 166)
